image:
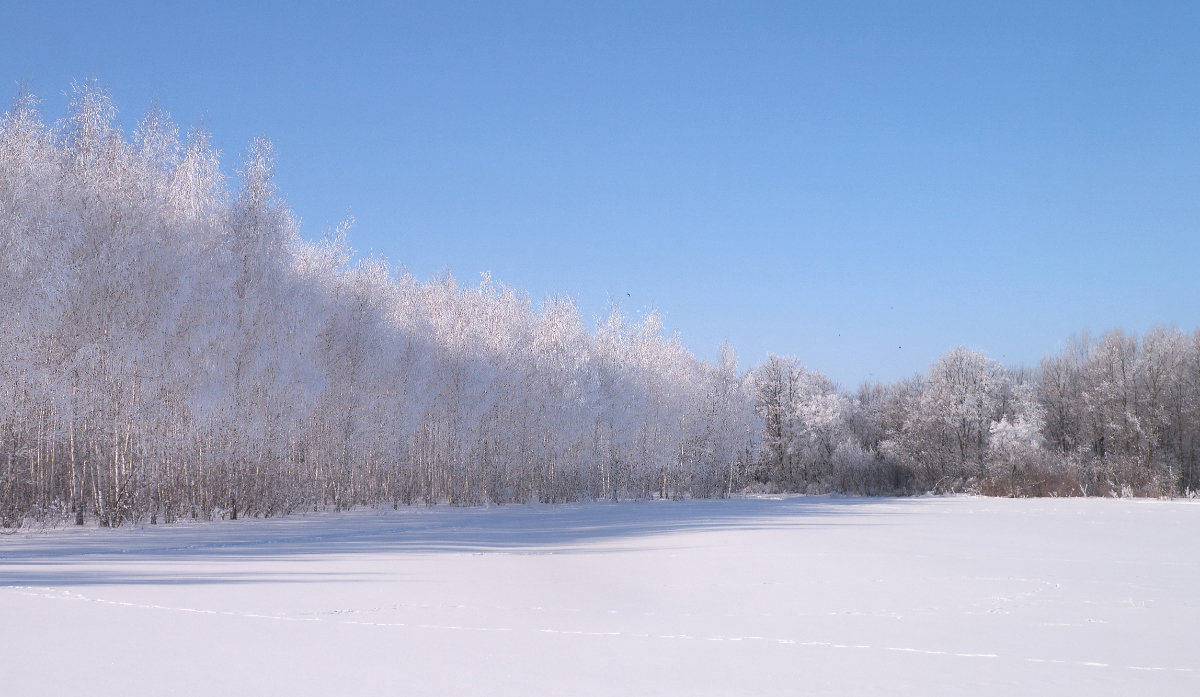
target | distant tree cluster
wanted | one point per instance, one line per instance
(171, 347)
(1107, 416)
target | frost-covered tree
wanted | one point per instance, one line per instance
(1016, 442)
(805, 417)
(952, 420)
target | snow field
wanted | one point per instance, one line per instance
(754, 596)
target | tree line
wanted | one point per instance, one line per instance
(172, 347)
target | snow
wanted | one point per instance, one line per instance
(763, 596)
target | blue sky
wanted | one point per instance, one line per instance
(862, 185)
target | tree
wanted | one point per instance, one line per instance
(952, 421)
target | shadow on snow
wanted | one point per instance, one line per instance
(63, 557)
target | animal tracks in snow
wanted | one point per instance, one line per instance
(341, 617)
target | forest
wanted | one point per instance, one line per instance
(172, 347)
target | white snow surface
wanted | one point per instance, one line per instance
(759, 596)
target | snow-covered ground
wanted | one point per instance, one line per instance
(790, 596)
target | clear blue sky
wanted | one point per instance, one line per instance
(862, 185)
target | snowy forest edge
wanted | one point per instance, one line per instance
(173, 348)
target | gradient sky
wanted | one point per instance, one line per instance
(862, 185)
